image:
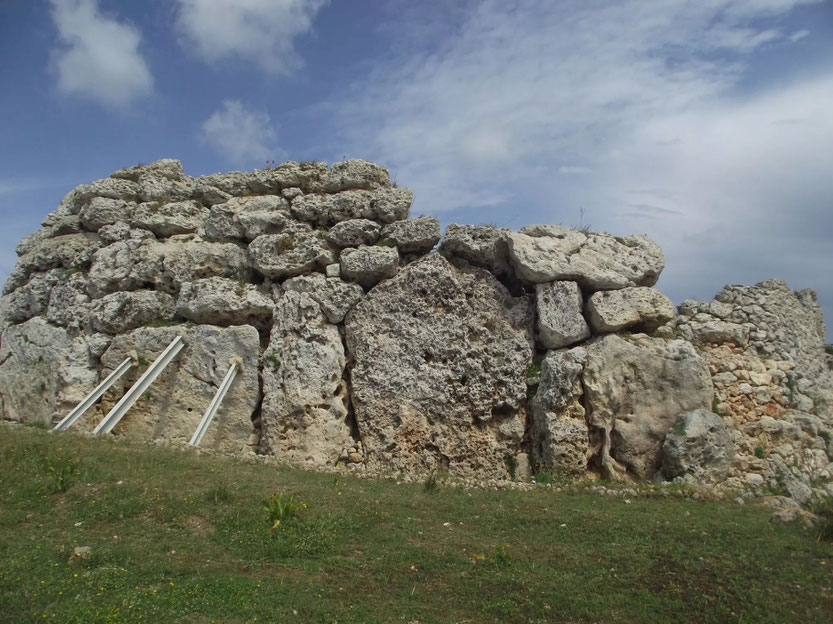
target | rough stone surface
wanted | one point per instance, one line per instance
(413, 235)
(70, 251)
(560, 429)
(635, 390)
(304, 414)
(482, 245)
(221, 301)
(334, 296)
(170, 410)
(355, 174)
(354, 232)
(698, 444)
(297, 250)
(614, 310)
(247, 217)
(439, 358)
(101, 211)
(368, 265)
(120, 312)
(168, 219)
(560, 320)
(595, 261)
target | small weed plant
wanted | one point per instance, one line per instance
(281, 510)
(760, 453)
(63, 473)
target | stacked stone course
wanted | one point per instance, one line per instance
(361, 344)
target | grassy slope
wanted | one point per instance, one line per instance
(178, 537)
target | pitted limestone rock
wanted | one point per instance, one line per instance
(354, 232)
(336, 297)
(700, 445)
(70, 251)
(297, 250)
(614, 310)
(120, 312)
(560, 320)
(304, 411)
(635, 390)
(439, 358)
(595, 261)
(413, 235)
(383, 205)
(101, 211)
(482, 245)
(369, 265)
(355, 174)
(247, 217)
(221, 301)
(169, 219)
(561, 437)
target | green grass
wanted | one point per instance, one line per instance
(181, 537)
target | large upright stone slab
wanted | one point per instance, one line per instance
(304, 414)
(635, 390)
(439, 360)
(613, 310)
(561, 440)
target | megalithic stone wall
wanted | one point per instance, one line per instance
(496, 354)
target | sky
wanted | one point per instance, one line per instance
(706, 125)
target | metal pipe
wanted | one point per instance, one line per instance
(94, 396)
(131, 396)
(215, 403)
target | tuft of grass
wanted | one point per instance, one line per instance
(387, 242)
(533, 370)
(828, 349)
(824, 510)
(284, 244)
(165, 547)
(760, 452)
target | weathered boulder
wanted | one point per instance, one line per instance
(114, 188)
(156, 186)
(221, 301)
(297, 250)
(368, 265)
(30, 356)
(119, 312)
(613, 310)
(168, 219)
(32, 299)
(595, 261)
(247, 217)
(439, 359)
(384, 205)
(561, 440)
(413, 235)
(70, 251)
(101, 211)
(718, 332)
(335, 296)
(354, 232)
(355, 174)
(482, 245)
(560, 321)
(698, 444)
(635, 390)
(170, 410)
(165, 265)
(166, 167)
(304, 413)
(69, 303)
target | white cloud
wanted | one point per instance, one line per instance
(799, 35)
(97, 57)
(516, 100)
(260, 31)
(243, 137)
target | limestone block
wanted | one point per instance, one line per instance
(355, 174)
(560, 435)
(304, 414)
(354, 232)
(168, 219)
(368, 265)
(221, 301)
(614, 310)
(297, 250)
(413, 235)
(440, 356)
(335, 296)
(119, 312)
(560, 321)
(698, 444)
(101, 211)
(247, 217)
(635, 390)
(482, 245)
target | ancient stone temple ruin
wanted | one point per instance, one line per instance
(361, 340)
